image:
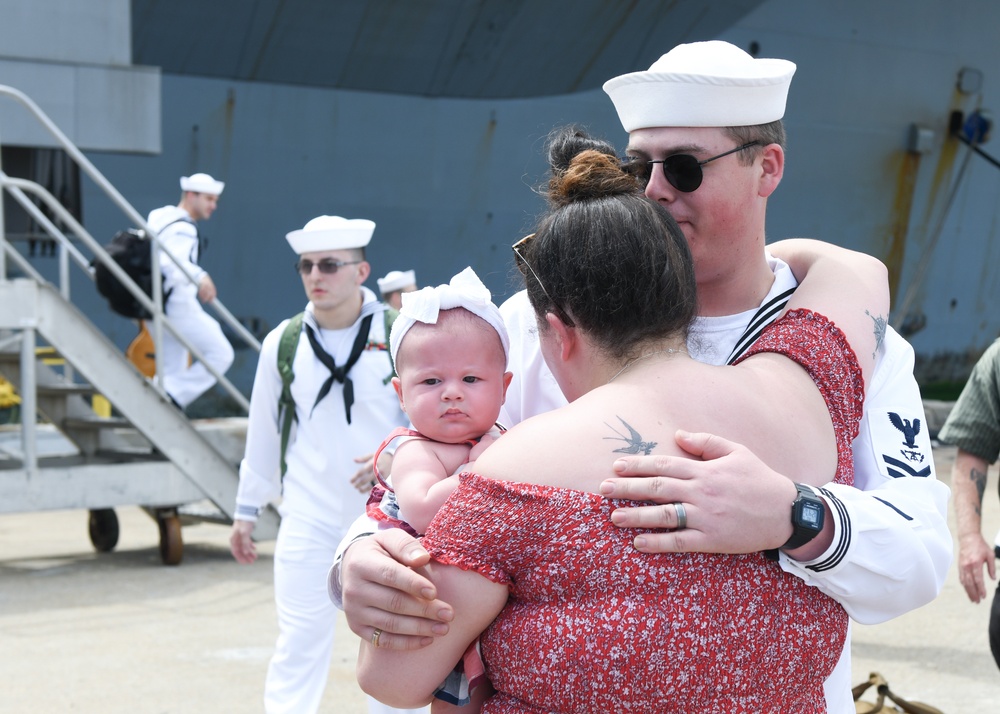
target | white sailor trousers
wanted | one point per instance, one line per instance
(298, 671)
(182, 382)
(297, 674)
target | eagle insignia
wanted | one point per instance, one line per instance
(909, 429)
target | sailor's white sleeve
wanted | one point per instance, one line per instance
(180, 240)
(533, 390)
(260, 470)
(362, 527)
(892, 547)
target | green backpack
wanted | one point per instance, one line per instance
(286, 353)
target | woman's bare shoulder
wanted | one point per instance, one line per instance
(575, 446)
(514, 451)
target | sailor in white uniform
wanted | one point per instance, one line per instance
(394, 284)
(344, 406)
(177, 229)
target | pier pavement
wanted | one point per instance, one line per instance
(120, 633)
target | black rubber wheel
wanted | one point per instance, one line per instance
(104, 530)
(171, 544)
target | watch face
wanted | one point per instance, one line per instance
(810, 515)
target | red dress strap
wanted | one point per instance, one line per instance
(393, 435)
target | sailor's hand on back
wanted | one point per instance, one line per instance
(731, 501)
(382, 590)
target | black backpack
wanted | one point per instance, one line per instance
(131, 249)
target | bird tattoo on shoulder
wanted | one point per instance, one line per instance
(633, 441)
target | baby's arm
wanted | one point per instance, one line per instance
(421, 481)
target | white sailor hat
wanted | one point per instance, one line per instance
(703, 84)
(396, 280)
(202, 183)
(331, 233)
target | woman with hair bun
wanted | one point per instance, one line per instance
(572, 617)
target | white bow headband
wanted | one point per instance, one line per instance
(465, 290)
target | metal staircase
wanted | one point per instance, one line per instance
(148, 454)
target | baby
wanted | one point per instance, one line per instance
(449, 347)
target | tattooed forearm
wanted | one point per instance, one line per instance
(880, 327)
(978, 479)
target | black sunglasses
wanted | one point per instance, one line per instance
(683, 171)
(327, 266)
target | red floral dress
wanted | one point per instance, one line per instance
(592, 625)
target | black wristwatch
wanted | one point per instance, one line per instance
(808, 514)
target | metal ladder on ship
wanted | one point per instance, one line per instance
(149, 454)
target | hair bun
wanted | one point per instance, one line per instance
(590, 175)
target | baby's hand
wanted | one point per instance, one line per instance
(476, 451)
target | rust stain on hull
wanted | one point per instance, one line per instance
(899, 223)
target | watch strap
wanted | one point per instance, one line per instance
(800, 534)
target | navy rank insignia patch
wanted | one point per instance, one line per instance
(912, 453)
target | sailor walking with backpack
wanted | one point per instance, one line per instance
(177, 229)
(328, 370)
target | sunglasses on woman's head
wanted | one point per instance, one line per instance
(683, 171)
(327, 266)
(521, 263)
(524, 266)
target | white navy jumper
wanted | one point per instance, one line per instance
(178, 235)
(315, 499)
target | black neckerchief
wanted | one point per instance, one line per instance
(339, 373)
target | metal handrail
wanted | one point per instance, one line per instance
(153, 304)
(16, 187)
(22, 263)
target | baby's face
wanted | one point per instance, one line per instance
(451, 382)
